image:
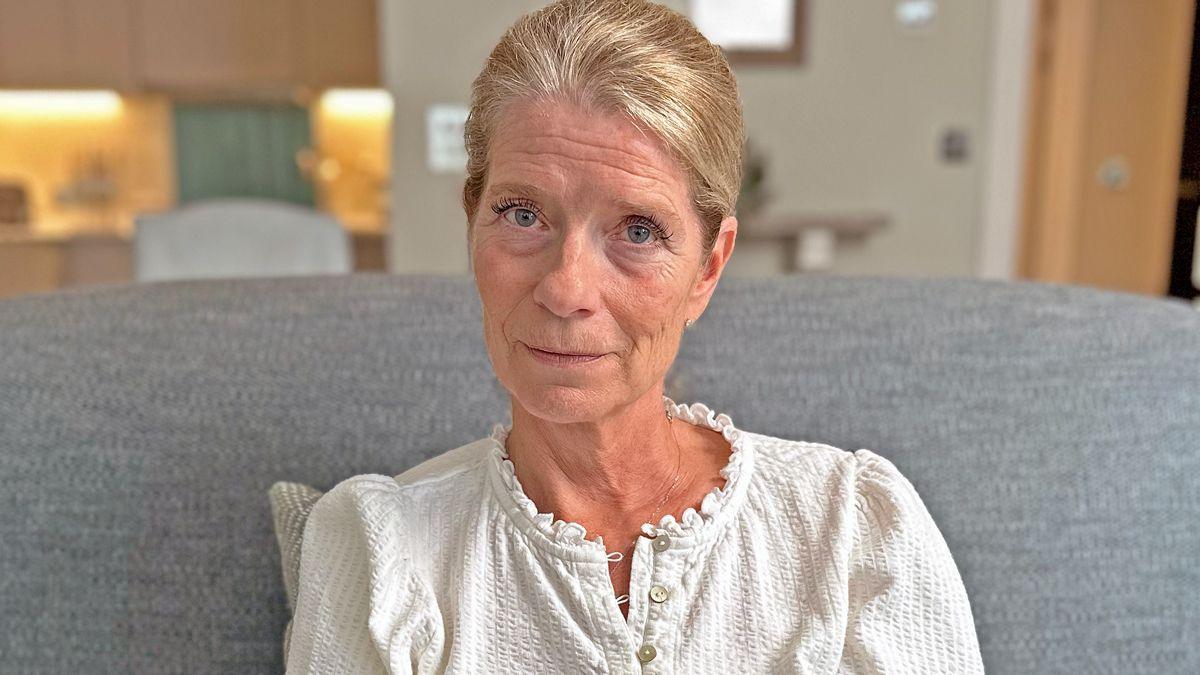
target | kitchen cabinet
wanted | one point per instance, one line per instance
(223, 47)
(66, 43)
(33, 42)
(215, 44)
(101, 37)
(339, 43)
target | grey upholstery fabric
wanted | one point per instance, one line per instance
(1053, 432)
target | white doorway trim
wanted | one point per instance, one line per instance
(1008, 95)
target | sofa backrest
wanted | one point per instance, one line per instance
(1052, 431)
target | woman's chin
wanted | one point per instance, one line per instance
(562, 404)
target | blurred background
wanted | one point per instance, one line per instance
(1050, 140)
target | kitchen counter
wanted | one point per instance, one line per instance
(38, 259)
(35, 237)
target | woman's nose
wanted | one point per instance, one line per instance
(570, 284)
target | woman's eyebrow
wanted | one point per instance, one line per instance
(521, 188)
(655, 207)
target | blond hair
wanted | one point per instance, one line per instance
(633, 57)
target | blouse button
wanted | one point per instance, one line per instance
(646, 653)
(658, 593)
(662, 542)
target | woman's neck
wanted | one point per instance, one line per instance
(608, 475)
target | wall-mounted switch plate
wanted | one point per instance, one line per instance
(444, 135)
(916, 16)
(956, 146)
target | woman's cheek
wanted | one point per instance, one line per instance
(517, 243)
(496, 262)
(494, 287)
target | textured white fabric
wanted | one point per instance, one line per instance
(810, 559)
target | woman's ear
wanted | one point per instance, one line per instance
(722, 249)
(711, 270)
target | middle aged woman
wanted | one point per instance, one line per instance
(608, 528)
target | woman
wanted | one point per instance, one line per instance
(608, 528)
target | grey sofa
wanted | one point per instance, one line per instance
(1052, 431)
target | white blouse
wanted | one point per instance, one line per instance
(810, 559)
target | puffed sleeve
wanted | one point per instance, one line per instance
(330, 632)
(355, 608)
(908, 610)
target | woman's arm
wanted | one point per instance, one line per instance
(908, 610)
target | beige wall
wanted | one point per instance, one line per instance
(856, 128)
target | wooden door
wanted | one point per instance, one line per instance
(1106, 120)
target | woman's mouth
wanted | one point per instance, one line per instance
(560, 359)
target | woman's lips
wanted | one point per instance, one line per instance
(556, 359)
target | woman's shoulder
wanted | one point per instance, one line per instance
(435, 483)
(800, 484)
(788, 459)
(862, 478)
(818, 465)
(791, 451)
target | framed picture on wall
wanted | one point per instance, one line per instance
(753, 31)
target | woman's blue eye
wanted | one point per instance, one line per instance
(524, 217)
(641, 230)
(638, 230)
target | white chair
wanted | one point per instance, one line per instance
(239, 237)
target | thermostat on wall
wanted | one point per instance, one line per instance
(444, 138)
(916, 15)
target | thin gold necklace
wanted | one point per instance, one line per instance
(653, 516)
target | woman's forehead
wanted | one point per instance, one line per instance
(559, 148)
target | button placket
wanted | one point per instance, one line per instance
(609, 627)
(659, 608)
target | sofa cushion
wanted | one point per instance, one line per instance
(291, 503)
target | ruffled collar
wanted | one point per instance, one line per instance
(569, 538)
